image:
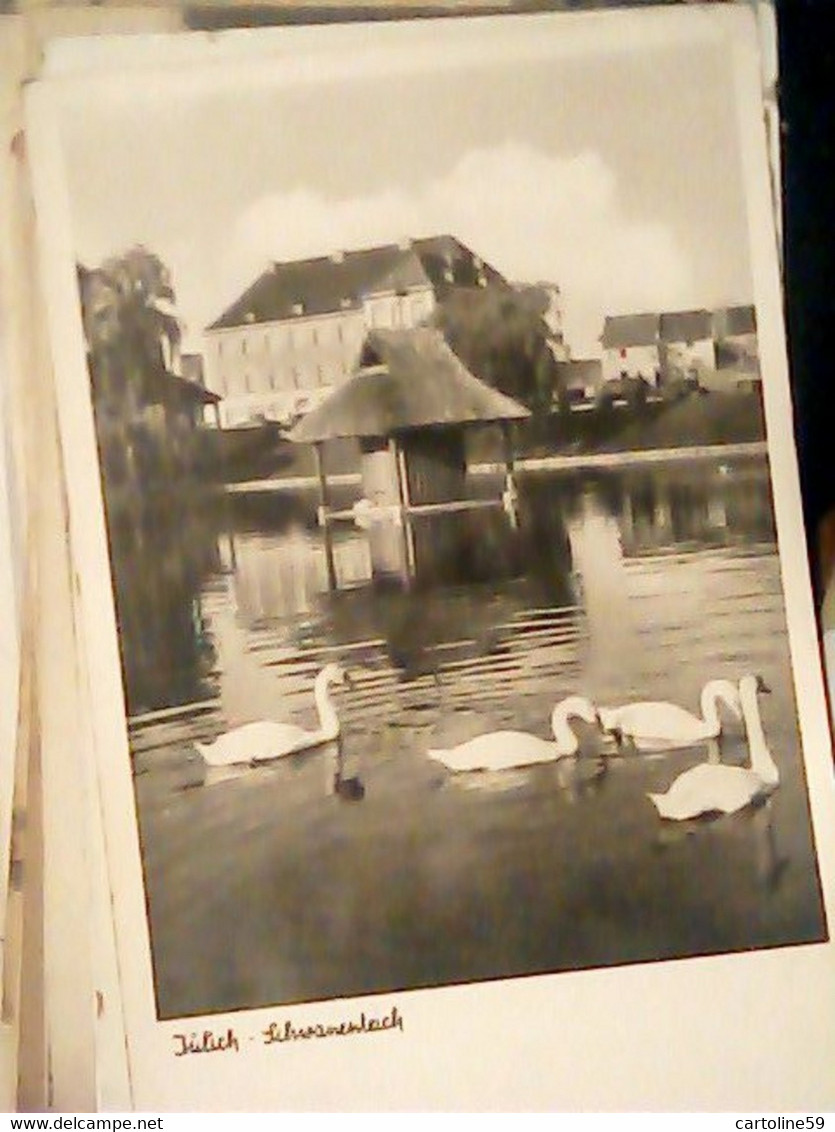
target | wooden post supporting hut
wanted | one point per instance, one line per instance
(408, 406)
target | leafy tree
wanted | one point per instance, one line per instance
(500, 335)
(129, 323)
(132, 334)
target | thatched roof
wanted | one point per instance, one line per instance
(408, 379)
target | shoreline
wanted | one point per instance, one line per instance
(584, 462)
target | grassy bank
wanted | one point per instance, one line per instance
(697, 420)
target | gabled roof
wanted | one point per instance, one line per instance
(735, 320)
(328, 284)
(405, 270)
(686, 326)
(309, 286)
(621, 330)
(449, 263)
(408, 379)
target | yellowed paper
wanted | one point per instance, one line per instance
(333, 934)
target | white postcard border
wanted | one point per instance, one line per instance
(688, 1034)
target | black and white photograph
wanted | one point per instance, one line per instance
(428, 395)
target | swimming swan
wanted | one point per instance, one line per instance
(366, 514)
(501, 750)
(266, 739)
(660, 725)
(716, 788)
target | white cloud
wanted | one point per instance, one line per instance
(533, 216)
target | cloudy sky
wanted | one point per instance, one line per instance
(613, 173)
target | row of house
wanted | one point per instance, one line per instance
(677, 344)
(716, 349)
(298, 331)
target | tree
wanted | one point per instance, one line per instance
(500, 335)
(130, 325)
(132, 334)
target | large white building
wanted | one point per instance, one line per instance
(298, 330)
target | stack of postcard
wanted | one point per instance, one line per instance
(430, 706)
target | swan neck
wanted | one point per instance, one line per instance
(328, 720)
(711, 695)
(762, 764)
(564, 737)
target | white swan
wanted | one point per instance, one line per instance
(653, 726)
(266, 739)
(502, 750)
(711, 788)
(366, 514)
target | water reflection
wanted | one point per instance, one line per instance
(629, 585)
(679, 510)
(577, 778)
(194, 582)
(597, 552)
(760, 839)
(161, 562)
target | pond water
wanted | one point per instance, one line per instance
(267, 885)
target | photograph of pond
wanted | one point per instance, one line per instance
(440, 515)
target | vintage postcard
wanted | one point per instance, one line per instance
(12, 503)
(455, 699)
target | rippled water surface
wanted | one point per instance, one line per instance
(266, 885)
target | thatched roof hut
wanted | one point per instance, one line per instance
(407, 379)
(408, 405)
